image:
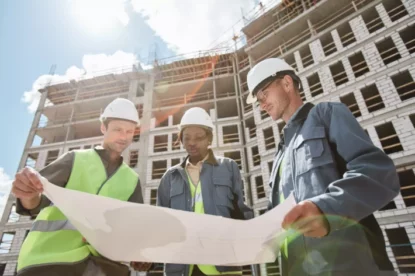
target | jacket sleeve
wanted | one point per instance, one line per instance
(163, 192)
(58, 173)
(241, 211)
(370, 180)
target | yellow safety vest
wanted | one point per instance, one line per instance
(198, 207)
(53, 239)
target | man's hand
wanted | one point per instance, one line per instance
(307, 218)
(138, 266)
(27, 187)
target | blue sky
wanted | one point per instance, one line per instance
(69, 33)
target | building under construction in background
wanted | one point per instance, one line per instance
(360, 53)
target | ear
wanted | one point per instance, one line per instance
(103, 129)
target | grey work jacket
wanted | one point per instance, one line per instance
(222, 196)
(331, 161)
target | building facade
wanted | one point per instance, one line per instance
(360, 53)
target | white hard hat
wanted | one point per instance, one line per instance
(196, 116)
(121, 108)
(264, 72)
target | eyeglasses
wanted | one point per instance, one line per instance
(261, 96)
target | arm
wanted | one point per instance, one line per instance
(58, 173)
(137, 195)
(241, 210)
(370, 181)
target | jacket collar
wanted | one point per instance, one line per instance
(300, 115)
(210, 160)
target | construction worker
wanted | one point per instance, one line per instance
(203, 183)
(336, 174)
(54, 246)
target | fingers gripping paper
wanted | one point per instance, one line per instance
(124, 231)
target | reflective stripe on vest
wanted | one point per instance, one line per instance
(198, 207)
(53, 239)
(49, 226)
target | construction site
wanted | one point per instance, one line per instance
(360, 53)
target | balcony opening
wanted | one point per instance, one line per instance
(133, 158)
(412, 118)
(407, 181)
(291, 61)
(140, 89)
(269, 138)
(6, 242)
(161, 143)
(159, 168)
(156, 270)
(327, 42)
(32, 159)
(246, 270)
(372, 98)
(402, 249)
(315, 85)
(256, 158)
(175, 142)
(230, 134)
(264, 115)
(52, 156)
(247, 107)
(175, 161)
(136, 137)
(351, 103)
(259, 187)
(3, 268)
(388, 51)
(408, 38)
(390, 206)
(372, 20)
(388, 138)
(359, 65)
(306, 56)
(250, 124)
(13, 216)
(404, 84)
(273, 268)
(153, 197)
(338, 73)
(270, 163)
(227, 109)
(395, 9)
(236, 156)
(346, 34)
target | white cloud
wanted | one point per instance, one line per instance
(5, 186)
(92, 65)
(190, 26)
(98, 16)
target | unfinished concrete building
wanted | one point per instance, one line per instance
(360, 53)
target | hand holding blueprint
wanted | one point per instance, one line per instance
(124, 231)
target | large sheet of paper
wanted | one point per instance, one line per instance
(124, 231)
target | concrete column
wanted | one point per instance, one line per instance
(144, 167)
(34, 126)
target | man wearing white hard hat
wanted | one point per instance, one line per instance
(203, 183)
(336, 174)
(54, 246)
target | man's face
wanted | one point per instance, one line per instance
(273, 98)
(118, 135)
(195, 141)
